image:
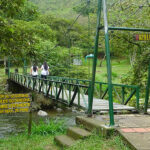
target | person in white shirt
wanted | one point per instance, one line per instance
(44, 70)
(34, 71)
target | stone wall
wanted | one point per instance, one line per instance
(39, 100)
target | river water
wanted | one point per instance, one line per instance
(16, 123)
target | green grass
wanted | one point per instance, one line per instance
(96, 142)
(42, 138)
(22, 142)
(43, 142)
(51, 127)
(119, 69)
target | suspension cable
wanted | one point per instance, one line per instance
(68, 31)
(89, 34)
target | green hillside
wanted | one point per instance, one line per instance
(61, 8)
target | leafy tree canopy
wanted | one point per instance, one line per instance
(10, 8)
(28, 12)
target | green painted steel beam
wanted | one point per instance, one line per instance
(109, 72)
(92, 83)
(128, 29)
(147, 91)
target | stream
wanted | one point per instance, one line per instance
(12, 124)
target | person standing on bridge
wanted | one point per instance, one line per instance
(34, 71)
(45, 70)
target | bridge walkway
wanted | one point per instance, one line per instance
(76, 92)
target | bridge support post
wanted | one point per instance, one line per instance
(147, 91)
(90, 103)
(107, 48)
(107, 60)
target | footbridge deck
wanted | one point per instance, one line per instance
(76, 92)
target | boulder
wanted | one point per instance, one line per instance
(59, 109)
(148, 111)
(42, 113)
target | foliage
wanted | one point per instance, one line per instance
(60, 60)
(10, 8)
(39, 37)
(59, 8)
(10, 38)
(78, 72)
(28, 12)
(24, 36)
(139, 73)
(86, 7)
(67, 33)
(52, 127)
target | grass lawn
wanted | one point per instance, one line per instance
(22, 142)
(96, 142)
(119, 69)
(46, 142)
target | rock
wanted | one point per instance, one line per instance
(148, 111)
(54, 107)
(69, 108)
(82, 111)
(75, 111)
(35, 106)
(59, 109)
(42, 113)
(104, 112)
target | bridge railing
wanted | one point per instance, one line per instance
(67, 89)
(123, 94)
(57, 90)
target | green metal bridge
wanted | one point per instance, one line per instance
(76, 91)
(85, 93)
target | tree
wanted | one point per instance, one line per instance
(66, 32)
(24, 38)
(10, 8)
(27, 12)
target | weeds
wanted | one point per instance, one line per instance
(51, 127)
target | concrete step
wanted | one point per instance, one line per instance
(93, 124)
(64, 141)
(77, 133)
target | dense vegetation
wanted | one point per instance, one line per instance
(44, 30)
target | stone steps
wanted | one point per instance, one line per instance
(92, 124)
(73, 134)
(78, 133)
(64, 141)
